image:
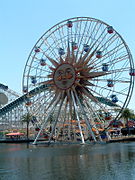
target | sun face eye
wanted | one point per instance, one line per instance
(68, 70)
(68, 73)
(60, 72)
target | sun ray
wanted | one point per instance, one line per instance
(54, 63)
(93, 74)
(88, 94)
(61, 60)
(68, 53)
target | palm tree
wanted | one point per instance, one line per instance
(127, 114)
(27, 118)
(51, 120)
(133, 116)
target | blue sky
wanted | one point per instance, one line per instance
(24, 21)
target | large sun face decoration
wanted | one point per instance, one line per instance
(71, 74)
(64, 76)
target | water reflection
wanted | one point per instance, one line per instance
(68, 162)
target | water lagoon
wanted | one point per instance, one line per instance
(113, 161)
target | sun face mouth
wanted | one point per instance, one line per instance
(64, 82)
(64, 76)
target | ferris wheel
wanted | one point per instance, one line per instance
(82, 74)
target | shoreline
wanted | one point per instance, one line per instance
(113, 140)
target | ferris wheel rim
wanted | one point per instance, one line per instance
(130, 89)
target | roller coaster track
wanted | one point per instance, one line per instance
(22, 99)
(37, 90)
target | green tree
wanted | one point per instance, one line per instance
(51, 120)
(133, 116)
(127, 114)
(27, 118)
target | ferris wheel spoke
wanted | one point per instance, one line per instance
(124, 90)
(38, 105)
(78, 32)
(56, 97)
(62, 35)
(97, 93)
(99, 39)
(108, 54)
(69, 33)
(119, 50)
(45, 102)
(111, 72)
(65, 113)
(44, 99)
(94, 92)
(57, 116)
(113, 61)
(57, 42)
(92, 32)
(47, 46)
(113, 52)
(98, 104)
(77, 116)
(86, 118)
(111, 40)
(46, 119)
(46, 65)
(88, 94)
(104, 96)
(50, 49)
(80, 42)
(118, 70)
(117, 76)
(69, 102)
(39, 74)
(91, 110)
(87, 32)
(40, 69)
(91, 48)
(54, 63)
(96, 43)
(116, 81)
(96, 113)
(111, 90)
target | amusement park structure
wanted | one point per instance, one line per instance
(79, 76)
(9, 113)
